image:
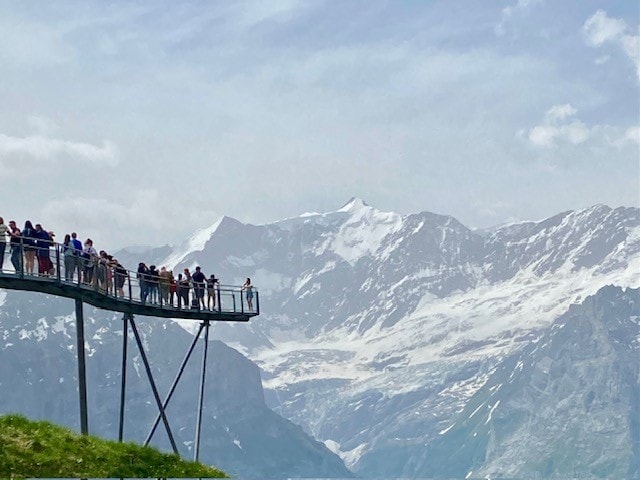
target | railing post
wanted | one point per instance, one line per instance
(21, 257)
(257, 303)
(57, 249)
(241, 301)
(219, 302)
(130, 289)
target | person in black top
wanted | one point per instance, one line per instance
(153, 277)
(199, 280)
(142, 281)
(120, 276)
(29, 245)
(42, 243)
(211, 291)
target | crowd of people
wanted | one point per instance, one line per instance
(83, 264)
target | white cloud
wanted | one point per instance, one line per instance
(555, 128)
(521, 6)
(631, 136)
(560, 112)
(39, 147)
(600, 29)
(561, 126)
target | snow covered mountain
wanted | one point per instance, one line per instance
(381, 334)
(378, 327)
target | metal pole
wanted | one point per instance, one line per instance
(125, 334)
(153, 385)
(82, 372)
(57, 250)
(174, 384)
(257, 303)
(196, 454)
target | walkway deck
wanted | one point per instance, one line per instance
(231, 304)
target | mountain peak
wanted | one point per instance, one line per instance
(353, 204)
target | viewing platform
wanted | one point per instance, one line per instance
(58, 269)
(230, 301)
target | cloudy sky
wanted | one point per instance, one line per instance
(138, 122)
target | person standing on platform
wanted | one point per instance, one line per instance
(16, 246)
(248, 288)
(3, 241)
(153, 277)
(43, 243)
(142, 282)
(120, 276)
(29, 246)
(89, 256)
(173, 287)
(165, 280)
(211, 291)
(69, 255)
(199, 281)
(183, 291)
(77, 250)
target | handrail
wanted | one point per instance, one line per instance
(31, 260)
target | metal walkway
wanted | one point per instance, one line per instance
(114, 289)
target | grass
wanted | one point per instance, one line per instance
(43, 449)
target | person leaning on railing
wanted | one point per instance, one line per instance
(29, 246)
(15, 241)
(69, 255)
(89, 256)
(120, 276)
(3, 241)
(77, 250)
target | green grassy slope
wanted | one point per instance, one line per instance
(42, 449)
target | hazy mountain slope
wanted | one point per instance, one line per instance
(564, 406)
(378, 330)
(239, 434)
(366, 315)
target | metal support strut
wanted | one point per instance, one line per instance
(123, 386)
(196, 453)
(82, 371)
(174, 384)
(153, 385)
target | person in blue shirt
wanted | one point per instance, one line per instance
(77, 258)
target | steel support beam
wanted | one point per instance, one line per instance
(174, 384)
(196, 453)
(123, 385)
(153, 385)
(82, 370)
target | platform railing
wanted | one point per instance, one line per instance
(54, 262)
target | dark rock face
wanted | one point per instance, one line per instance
(239, 433)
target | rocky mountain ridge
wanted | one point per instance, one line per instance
(379, 331)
